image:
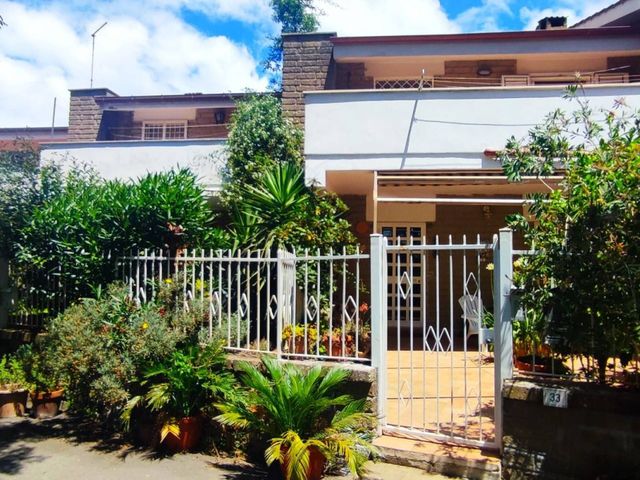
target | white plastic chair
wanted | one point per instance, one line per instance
(472, 313)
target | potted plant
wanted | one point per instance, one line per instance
(40, 371)
(297, 338)
(302, 416)
(178, 389)
(14, 388)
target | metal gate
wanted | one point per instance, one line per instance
(441, 363)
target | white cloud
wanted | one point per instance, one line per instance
(45, 50)
(385, 17)
(574, 11)
(484, 17)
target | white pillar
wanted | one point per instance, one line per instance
(379, 322)
(503, 328)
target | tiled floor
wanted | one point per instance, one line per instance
(449, 393)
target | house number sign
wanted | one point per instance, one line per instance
(555, 397)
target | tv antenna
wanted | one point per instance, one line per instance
(93, 49)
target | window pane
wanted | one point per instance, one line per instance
(174, 131)
(387, 232)
(416, 232)
(153, 131)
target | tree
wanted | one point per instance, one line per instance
(260, 138)
(264, 189)
(587, 233)
(294, 16)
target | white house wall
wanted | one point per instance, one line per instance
(132, 159)
(433, 129)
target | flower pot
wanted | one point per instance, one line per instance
(46, 404)
(13, 403)
(526, 364)
(190, 434)
(317, 463)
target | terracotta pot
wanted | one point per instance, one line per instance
(316, 464)
(46, 404)
(190, 434)
(13, 403)
(525, 364)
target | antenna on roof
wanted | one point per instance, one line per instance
(93, 50)
(53, 119)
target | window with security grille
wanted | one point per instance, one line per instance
(392, 83)
(164, 130)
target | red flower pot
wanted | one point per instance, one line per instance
(46, 404)
(316, 464)
(13, 403)
(190, 434)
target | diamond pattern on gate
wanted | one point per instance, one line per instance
(243, 308)
(312, 307)
(350, 309)
(273, 307)
(404, 393)
(433, 340)
(215, 305)
(405, 285)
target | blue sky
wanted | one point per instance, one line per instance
(178, 46)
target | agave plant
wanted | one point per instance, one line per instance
(301, 414)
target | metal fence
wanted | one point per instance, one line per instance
(302, 305)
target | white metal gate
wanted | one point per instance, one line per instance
(440, 374)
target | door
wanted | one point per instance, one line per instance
(404, 271)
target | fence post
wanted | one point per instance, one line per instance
(5, 292)
(503, 328)
(280, 295)
(379, 323)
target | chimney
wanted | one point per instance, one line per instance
(552, 23)
(85, 115)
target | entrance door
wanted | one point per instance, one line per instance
(405, 298)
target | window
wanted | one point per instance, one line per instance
(164, 130)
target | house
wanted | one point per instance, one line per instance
(128, 136)
(406, 128)
(12, 138)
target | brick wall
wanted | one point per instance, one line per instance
(352, 76)
(85, 116)
(307, 65)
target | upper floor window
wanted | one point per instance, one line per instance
(164, 130)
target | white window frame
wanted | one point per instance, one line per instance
(164, 124)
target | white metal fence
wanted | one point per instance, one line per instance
(304, 305)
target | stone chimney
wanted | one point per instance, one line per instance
(85, 115)
(552, 23)
(307, 65)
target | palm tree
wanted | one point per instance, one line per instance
(302, 416)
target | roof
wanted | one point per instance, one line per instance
(188, 100)
(479, 37)
(16, 138)
(600, 12)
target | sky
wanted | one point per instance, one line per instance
(179, 46)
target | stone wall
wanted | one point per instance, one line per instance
(307, 65)
(85, 115)
(596, 437)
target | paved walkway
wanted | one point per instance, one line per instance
(65, 449)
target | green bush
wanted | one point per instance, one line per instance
(77, 233)
(100, 348)
(12, 374)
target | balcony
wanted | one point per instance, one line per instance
(432, 128)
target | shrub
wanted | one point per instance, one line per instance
(75, 233)
(99, 348)
(586, 233)
(12, 374)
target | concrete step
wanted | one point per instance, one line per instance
(442, 458)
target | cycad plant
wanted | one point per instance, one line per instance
(302, 416)
(180, 387)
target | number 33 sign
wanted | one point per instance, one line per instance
(555, 397)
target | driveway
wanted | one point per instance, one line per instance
(68, 449)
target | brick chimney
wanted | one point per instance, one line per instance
(307, 65)
(85, 115)
(552, 23)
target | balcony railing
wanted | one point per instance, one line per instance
(516, 80)
(201, 132)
